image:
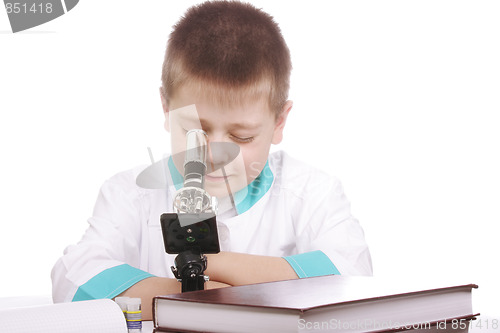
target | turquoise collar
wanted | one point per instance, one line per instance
(175, 174)
(245, 198)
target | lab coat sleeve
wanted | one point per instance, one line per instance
(326, 229)
(107, 259)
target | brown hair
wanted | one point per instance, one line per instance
(229, 51)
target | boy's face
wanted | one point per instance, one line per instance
(252, 126)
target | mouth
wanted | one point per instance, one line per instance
(216, 179)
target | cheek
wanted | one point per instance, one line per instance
(254, 160)
(166, 123)
(178, 147)
(178, 138)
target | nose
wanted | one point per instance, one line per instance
(215, 136)
(220, 152)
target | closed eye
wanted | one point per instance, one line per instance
(242, 140)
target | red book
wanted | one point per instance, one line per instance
(330, 303)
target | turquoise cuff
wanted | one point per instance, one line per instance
(310, 264)
(110, 283)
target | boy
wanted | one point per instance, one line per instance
(226, 70)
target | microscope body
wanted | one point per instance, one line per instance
(192, 230)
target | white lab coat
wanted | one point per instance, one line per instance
(304, 210)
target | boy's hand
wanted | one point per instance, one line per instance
(215, 285)
(151, 287)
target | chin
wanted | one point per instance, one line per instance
(219, 188)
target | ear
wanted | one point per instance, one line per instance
(280, 123)
(164, 105)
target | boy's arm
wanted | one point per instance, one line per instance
(330, 241)
(231, 269)
(153, 286)
(239, 269)
(228, 267)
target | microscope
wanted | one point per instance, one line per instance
(191, 231)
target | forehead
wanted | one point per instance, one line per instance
(222, 97)
(206, 106)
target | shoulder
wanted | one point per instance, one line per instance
(120, 198)
(124, 183)
(299, 178)
(314, 199)
(127, 177)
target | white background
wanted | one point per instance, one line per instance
(399, 99)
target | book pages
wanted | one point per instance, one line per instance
(94, 316)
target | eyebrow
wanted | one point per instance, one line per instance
(249, 126)
(239, 125)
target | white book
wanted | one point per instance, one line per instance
(96, 316)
